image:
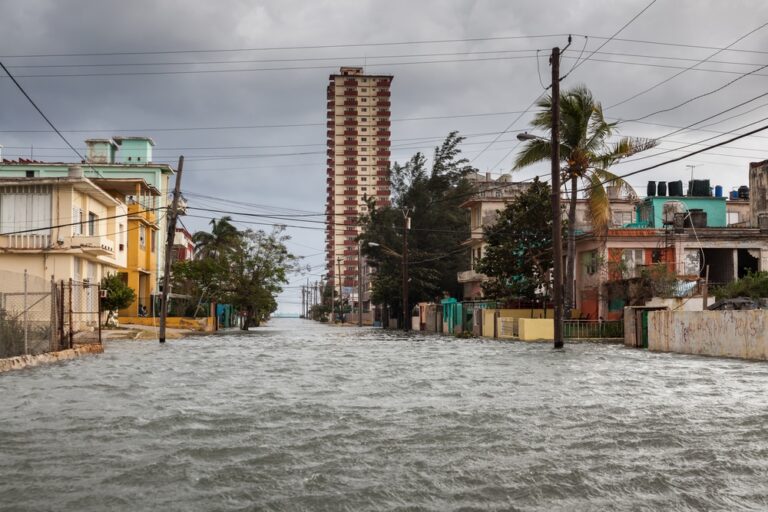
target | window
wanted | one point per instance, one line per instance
(631, 259)
(77, 219)
(92, 223)
(364, 119)
(30, 174)
(365, 109)
(732, 218)
(153, 241)
(143, 236)
(364, 159)
(25, 207)
(364, 129)
(622, 218)
(121, 237)
(590, 262)
(364, 139)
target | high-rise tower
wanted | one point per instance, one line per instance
(358, 165)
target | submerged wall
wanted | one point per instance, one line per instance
(742, 334)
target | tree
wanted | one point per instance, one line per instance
(258, 269)
(119, 294)
(518, 255)
(221, 241)
(586, 155)
(243, 268)
(432, 197)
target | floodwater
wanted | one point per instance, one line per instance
(300, 416)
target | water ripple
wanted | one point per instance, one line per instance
(298, 416)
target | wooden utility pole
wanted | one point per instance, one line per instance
(341, 296)
(359, 283)
(557, 237)
(172, 215)
(406, 227)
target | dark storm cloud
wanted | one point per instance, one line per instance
(298, 96)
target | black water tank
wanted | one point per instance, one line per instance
(698, 188)
(743, 192)
(651, 188)
(662, 188)
(676, 188)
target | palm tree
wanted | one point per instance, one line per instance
(586, 155)
(224, 238)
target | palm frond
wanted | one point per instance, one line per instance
(598, 205)
(534, 151)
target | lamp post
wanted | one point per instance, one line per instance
(360, 287)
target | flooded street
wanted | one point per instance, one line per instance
(301, 416)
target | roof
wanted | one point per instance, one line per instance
(88, 165)
(82, 184)
(125, 186)
(120, 139)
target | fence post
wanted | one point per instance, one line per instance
(71, 324)
(61, 314)
(54, 327)
(496, 315)
(26, 314)
(98, 307)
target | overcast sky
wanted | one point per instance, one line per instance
(238, 87)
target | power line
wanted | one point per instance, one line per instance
(50, 123)
(659, 84)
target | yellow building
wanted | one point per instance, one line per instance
(141, 240)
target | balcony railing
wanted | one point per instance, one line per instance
(95, 244)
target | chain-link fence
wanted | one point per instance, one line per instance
(39, 315)
(27, 314)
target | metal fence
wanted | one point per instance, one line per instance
(39, 315)
(593, 329)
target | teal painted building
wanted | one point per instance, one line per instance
(650, 213)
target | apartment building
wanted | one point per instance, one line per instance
(61, 228)
(117, 158)
(358, 165)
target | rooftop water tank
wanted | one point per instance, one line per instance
(651, 189)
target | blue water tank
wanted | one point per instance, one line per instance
(718, 191)
(734, 194)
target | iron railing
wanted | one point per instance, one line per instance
(593, 329)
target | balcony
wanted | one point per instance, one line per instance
(353, 122)
(383, 94)
(330, 134)
(382, 143)
(329, 124)
(350, 92)
(382, 193)
(350, 212)
(350, 131)
(349, 232)
(329, 161)
(384, 133)
(382, 162)
(92, 244)
(382, 83)
(331, 105)
(143, 212)
(383, 103)
(330, 152)
(349, 82)
(350, 152)
(382, 173)
(383, 122)
(382, 152)
(350, 162)
(350, 173)
(353, 103)
(350, 111)
(469, 276)
(350, 182)
(350, 202)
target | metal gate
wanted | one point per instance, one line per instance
(79, 313)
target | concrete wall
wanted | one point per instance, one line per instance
(19, 362)
(742, 334)
(488, 317)
(205, 324)
(531, 329)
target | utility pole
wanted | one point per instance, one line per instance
(172, 216)
(557, 237)
(359, 283)
(303, 306)
(341, 297)
(406, 227)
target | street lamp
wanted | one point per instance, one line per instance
(522, 137)
(360, 280)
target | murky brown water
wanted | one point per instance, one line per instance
(300, 416)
